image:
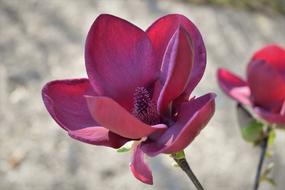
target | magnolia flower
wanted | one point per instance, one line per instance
(264, 88)
(138, 89)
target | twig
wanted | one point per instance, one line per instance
(183, 164)
(264, 145)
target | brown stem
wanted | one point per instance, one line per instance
(264, 145)
(183, 164)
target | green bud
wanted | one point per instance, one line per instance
(251, 129)
(253, 132)
(178, 155)
(126, 147)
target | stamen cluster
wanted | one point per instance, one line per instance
(144, 107)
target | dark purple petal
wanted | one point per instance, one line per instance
(234, 86)
(119, 57)
(192, 118)
(267, 86)
(98, 136)
(64, 100)
(273, 55)
(139, 168)
(161, 31)
(272, 118)
(114, 117)
(176, 68)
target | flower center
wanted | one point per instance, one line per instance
(144, 107)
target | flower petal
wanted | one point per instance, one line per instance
(112, 116)
(139, 168)
(234, 86)
(267, 86)
(273, 55)
(176, 68)
(98, 136)
(63, 98)
(272, 118)
(192, 118)
(161, 31)
(119, 57)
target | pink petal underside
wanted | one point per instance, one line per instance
(192, 118)
(272, 118)
(273, 55)
(119, 57)
(161, 31)
(64, 100)
(234, 86)
(98, 136)
(112, 116)
(267, 86)
(176, 68)
(139, 168)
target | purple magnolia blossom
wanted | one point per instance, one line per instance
(138, 88)
(264, 88)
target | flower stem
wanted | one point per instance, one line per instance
(264, 145)
(183, 164)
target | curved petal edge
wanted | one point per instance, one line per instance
(114, 117)
(176, 68)
(163, 29)
(193, 117)
(62, 99)
(234, 86)
(119, 57)
(139, 168)
(272, 118)
(98, 136)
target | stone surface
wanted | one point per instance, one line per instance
(44, 40)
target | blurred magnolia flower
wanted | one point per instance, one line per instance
(264, 88)
(138, 89)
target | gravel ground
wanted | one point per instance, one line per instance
(42, 40)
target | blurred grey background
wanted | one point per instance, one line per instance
(43, 40)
